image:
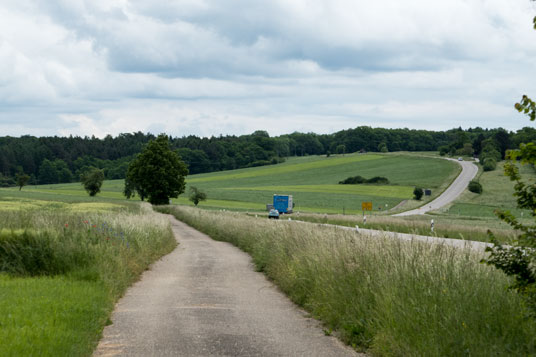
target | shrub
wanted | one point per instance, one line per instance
(489, 164)
(443, 150)
(378, 180)
(353, 180)
(417, 193)
(356, 180)
(475, 186)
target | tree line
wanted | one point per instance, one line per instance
(48, 160)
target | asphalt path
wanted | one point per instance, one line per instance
(205, 299)
(469, 171)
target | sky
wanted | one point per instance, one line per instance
(230, 67)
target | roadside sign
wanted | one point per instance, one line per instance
(366, 206)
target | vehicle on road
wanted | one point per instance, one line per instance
(460, 158)
(273, 214)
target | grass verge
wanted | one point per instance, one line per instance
(444, 227)
(388, 296)
(61, 272)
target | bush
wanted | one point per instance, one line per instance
(475, 186)
(417, 193)
(356, 180)
(489, 164)
(378, 180)
(353, 180)
(443, 150)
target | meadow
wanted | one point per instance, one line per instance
(64, 264)
(312, 180)
(475, 229)
(384, 296)
(498, 193)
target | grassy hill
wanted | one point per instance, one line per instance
(312, 180)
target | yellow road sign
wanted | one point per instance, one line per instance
(366, 206)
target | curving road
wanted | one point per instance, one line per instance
(469, 171)
(205, 299)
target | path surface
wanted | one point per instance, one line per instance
(469, 171)
(204, 299)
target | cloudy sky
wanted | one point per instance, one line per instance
(211, 67)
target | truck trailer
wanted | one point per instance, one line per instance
(283, 203)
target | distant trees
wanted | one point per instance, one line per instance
(356, 180)
(417, 193)
(92, 181)
(157, 173)
(55, 171)
(196, 195)
(62, 159)
(22, 179)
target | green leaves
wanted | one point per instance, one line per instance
(92, 181)
(527, 106)
(157, 173)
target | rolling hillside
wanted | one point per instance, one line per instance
(312, 180)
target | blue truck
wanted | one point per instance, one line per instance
(283, 203)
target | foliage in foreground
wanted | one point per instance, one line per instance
(61, 272)
(519, 259)
(392, 297)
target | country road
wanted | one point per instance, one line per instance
(469, 171)
(205, 299)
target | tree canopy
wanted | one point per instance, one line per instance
(196, 195)
(157, 173)
(92, 180)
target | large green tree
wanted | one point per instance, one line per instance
(157, 173)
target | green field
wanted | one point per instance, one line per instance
(63, 265)
(498, 193)
(312, 180)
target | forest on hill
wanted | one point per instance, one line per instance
(63, 159)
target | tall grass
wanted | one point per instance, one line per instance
(388, 296)
(87, 259)
(443, 226)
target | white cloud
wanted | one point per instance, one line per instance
(201, 67)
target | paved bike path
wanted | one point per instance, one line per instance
(205, 299)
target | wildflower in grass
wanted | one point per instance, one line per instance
(66, 225)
